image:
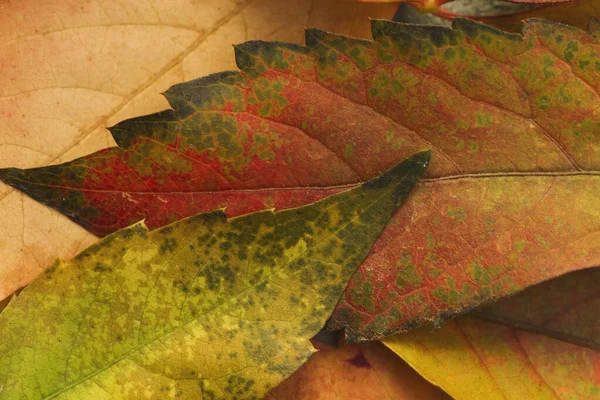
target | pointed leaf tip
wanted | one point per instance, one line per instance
(404, 175)
(10, 176)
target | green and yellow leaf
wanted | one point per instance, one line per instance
(205, 308)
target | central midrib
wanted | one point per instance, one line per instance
(423, 181)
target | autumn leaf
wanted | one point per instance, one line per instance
(564, 308)
(470, 359)
(204, 307)
(298, 122)
(71, 67)
(367, 371)
(544, 339)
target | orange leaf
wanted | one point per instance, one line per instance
(366, 371)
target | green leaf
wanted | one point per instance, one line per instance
(204, 308)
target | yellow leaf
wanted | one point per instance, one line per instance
(70, 68)
(470, 358)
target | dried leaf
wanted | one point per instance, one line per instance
(474, 359)
(204, 308)
(279, 133)
(366, 371)
(298, 122)
(71, 67)
(564, 308)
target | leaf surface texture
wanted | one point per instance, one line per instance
(70, 68)
(509, 199)
(206, 308)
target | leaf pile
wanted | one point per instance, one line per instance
(270, 136)
(203, 308)
(216, 307)
(69, 71)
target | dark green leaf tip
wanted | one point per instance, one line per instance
(404, 175)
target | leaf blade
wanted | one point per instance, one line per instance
(65, 81)
(409, 89)
(145, 309)
(478, 358)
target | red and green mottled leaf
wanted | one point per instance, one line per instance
(366, 371)
(510, 198)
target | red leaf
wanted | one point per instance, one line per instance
(511, 198)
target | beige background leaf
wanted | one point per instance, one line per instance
(70, 68)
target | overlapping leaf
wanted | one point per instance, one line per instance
(565, 308)
(471, 359)
(367, 371)
(204, 308)
(70, 68)
(545, 347)
(512, 189)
